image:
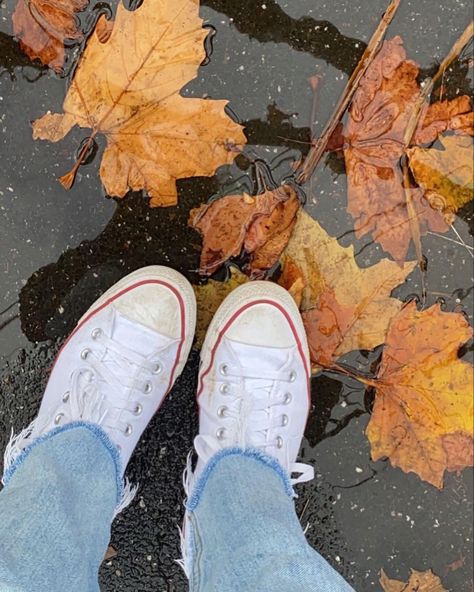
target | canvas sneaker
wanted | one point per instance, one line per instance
(254, 381)
(122, 359)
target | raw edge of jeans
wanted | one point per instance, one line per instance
(95, 429)
(253, 453)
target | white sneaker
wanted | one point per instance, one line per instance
(254, 381)
(122, 359)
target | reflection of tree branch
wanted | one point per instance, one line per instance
(277, 130)
(321, 39)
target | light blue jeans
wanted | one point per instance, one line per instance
(59, 500)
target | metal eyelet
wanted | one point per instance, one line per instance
(288, 398)
(148, 387)
(138, 409)
(284, 420)
(224, 388)
(221, 411)
(96, 333)
(128, 430)
(58, 417)
(220, 434)
(279, 441)
(157, 369)
(66, 396)
(224, 369)
(293, 376)
(85, 353)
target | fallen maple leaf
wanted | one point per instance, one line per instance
(345, 307)
(446, 176)
(260, 225)
(423, 412)
(292, 280)
(209, 297)
(420, 581)
(128, 89)
(456, 115)
(43, 26)
(374, 133)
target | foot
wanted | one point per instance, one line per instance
(253, 389)
(123, 357)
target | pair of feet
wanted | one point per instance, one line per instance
(126, 352)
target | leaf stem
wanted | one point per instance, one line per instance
(67, 180)
(314, 156)
(335, 367)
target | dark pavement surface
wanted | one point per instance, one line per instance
(60, 251)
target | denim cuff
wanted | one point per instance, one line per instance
(93, 428)
(252, 453)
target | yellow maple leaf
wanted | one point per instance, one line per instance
(344, 307)
(446, 176)
(127, 87)
(209, 297)
(423, 413)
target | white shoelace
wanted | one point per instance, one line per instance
(251, 396)
(87, 397)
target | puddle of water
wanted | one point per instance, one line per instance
(61, 249)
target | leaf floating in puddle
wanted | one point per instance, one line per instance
(209, 297)
(127, 88)
(419, 581)
(423, 413)
(446, 176)
(43, 26)
(260, 225)
(344, 307)
(455, 115)
(374, 133)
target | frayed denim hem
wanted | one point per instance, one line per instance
(95, 429)
(253, 453)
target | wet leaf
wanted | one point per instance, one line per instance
(209, 297)
(344, 307)
(43, 26)
(423, 413)
(456, 115)
(128, 89)
(260, 225)
(374, 134)
(446, 176)
(110, 553)
(419, 581)
(292, 279)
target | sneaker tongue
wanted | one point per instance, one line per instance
(258, 358)
(137, 337)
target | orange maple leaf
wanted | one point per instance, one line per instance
(423, 414)
(260, 225)
(43, 26)
(126, 86)
(344, 307)
(374, 135)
